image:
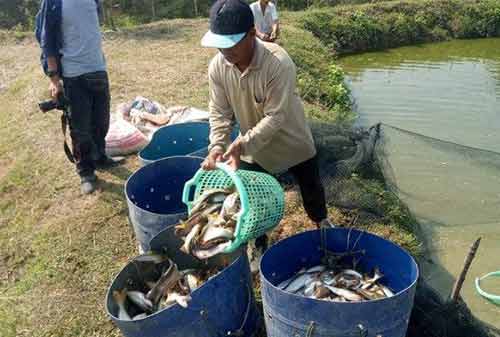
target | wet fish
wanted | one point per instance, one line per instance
(327, 277)
(311, 288)
(120, 297)
(348, 279)
(208, 253)
(186, 247)
(166, 281)
(192, 281)
(316, 269)
(231, 206)
(175, 297)
(347, 294)
(387, 292)
(299, 282)
(140, 300)
(140, 316)
(369, 295)
(151, 257)
(321, 292)
(377, 275)
(210, 196)
(212, 233)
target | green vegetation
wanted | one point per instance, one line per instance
(349, 29)
(319, 80)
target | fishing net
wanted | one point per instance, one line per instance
(377, 176)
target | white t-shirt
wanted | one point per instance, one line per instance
(264, 22)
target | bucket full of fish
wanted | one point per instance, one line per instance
(338, 282)
(167, 293)
(236, 206)
(176, 140)
(154, 196)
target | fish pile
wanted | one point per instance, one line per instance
(153, 294)
(347, 285)
(210, 227)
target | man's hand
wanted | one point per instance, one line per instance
(213, 157)
(232, 155)
(55, 87)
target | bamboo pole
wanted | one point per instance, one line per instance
(461, 278)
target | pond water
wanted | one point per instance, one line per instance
(443, 149)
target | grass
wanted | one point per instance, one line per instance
(59, 250)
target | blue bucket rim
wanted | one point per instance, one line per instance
(307, 232)
(109, 295)
(142, 167)
(167, 127)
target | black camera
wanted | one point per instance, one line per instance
(60, 104)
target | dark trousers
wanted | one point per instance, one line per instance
(307, 176)
(89, 99)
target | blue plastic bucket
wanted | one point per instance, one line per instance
(176, 140)
(185, 139)
(223, 306)
(154, 196)
(288, 314)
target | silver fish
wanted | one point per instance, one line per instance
(120, 297)
(211, 233)
(210, 196)
(369, 295)
(327, 277)
(151, 257)
(282, 285)
(311, 288)
(207, 253)
(231, 206)
(140, 300)
(166, 281)
(321, 292)
(387, 292)
(377, 275)
(140, 316)
(299, 282)
(186, 247)
(348, 279)
(347, 294)
(192, 281)
(316, 269)
(175, 297)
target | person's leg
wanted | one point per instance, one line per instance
(98, 86)
(259, 246)
(311, 189)
(80, 111)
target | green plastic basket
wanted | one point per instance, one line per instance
(262, 199)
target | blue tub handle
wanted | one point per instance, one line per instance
(236, 333)
(239, 332)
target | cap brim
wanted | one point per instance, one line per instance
(212, 40)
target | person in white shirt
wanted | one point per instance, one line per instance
(266, 20)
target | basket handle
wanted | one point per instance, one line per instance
(188, 187)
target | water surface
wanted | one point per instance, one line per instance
(447, 168)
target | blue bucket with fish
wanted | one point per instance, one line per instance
(154, 196)
(185, 139)
(222, 306)
(289, 314)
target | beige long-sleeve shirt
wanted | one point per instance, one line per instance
(264, 101)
